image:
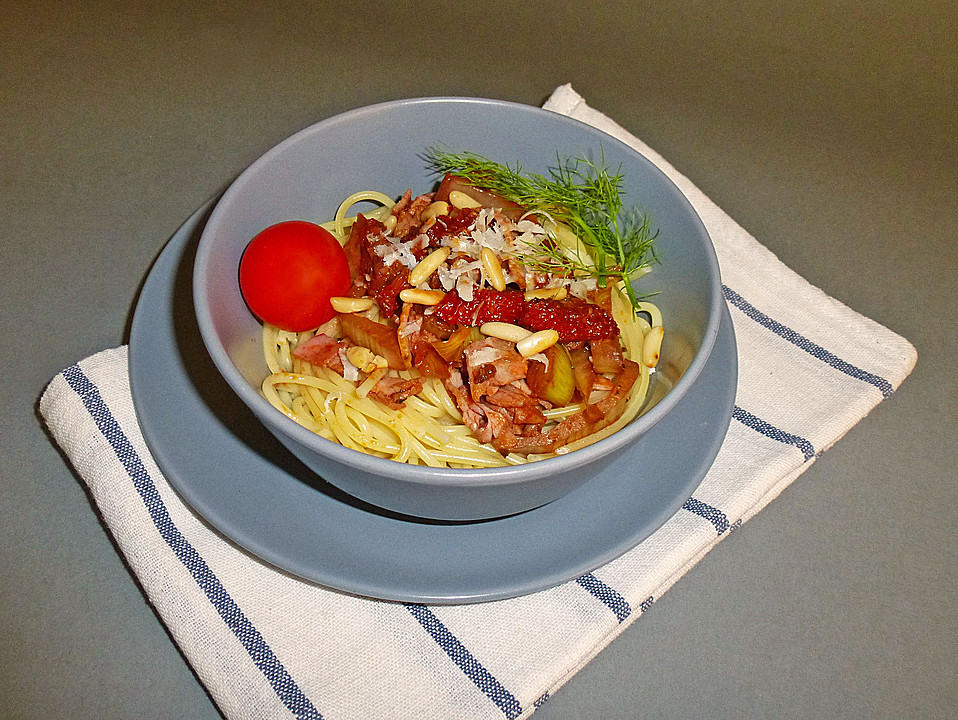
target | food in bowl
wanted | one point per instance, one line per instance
(380, 146)
(489, 322)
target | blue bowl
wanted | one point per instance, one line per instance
(380, 147)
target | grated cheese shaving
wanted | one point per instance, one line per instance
(540, 358)
(350, 371)
(465, 287)
(484, 355)
(410, 327)
(397, 251)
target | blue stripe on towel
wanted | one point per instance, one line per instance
(458, 653)
(715, 516)
(251, 639)
(610, 597)
(805, 344)
(769, 430)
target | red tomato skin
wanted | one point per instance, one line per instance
(289, 271)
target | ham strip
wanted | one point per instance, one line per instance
(592, 419)
(408, 213)
(392, 391)
(321, 351)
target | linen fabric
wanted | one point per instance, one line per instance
(268, 645)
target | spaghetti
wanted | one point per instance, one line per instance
(448, 398)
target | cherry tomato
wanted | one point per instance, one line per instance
(288, 273)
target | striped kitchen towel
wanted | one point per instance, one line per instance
(267, 645)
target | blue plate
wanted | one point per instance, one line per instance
(241, 480)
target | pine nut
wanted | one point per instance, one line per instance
(504, 331)
(365, 359)
(537, 342)
(422, 297)
(427, 266)
(556, 293)
(428, 224)
(461, 200)
(435, 210)
(652, 346)
(493, 269)
(360, 356)
(350, 304)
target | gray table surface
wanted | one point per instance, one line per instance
(829, 130)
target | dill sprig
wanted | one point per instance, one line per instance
(583, 195)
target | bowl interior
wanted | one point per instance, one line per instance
(380, 148)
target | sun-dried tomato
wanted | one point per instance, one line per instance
(456, 222)
(387, 282)
(486, 306)
(573, 318)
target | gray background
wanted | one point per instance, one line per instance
(827, 129)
